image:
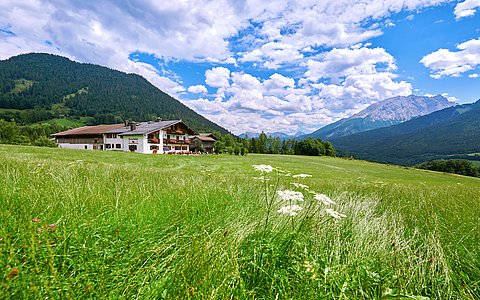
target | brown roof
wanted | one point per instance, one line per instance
(205, 137)
(89, 130)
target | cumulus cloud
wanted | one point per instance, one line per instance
(446, 63)
(197, 89)
(357, 75)
(344, 62)
(466, 8)
(218, 77)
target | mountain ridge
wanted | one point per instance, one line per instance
(385, 113)
(450, 131)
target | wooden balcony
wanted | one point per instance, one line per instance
(180, 142)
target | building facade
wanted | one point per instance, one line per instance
(146, 137)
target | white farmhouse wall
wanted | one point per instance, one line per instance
(75, 146)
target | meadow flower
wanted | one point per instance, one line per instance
(261, 178)
(324, 198)
(335, 214)
(36, 220)
(291, 210)
(263, 168)
(301, 176)
(299, 185)
(288, 195)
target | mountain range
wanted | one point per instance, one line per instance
(450, 132)
(385, 113)
(39, 87)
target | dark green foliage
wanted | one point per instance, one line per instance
(37, 135)
(310, 147)
(456, 166)
(451, 131)
(44, 86)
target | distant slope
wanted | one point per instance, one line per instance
(451, 131)
(45, 86)
(382, 114)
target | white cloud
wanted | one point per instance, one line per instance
(466, 8)
(474, 75)
(197, 89)
(218, 77)
(444, 62)
(344, 62)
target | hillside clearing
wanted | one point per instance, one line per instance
(78, 224)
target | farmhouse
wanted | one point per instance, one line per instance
(203, 142)
(146, 137)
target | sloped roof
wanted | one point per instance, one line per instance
(121, 129)
(89, 130)
(205, 137)
(147, 127)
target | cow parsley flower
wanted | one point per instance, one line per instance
(288, 195)
(291, 210)
(335, 214)
(300, 186)
(261, 178)
(263, 168)
(324, 198)
(301, 176)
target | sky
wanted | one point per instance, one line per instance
(256, 65)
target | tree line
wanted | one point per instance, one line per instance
(34, 135)
(264, 144)
(455, 166)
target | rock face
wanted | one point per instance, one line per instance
(385, 113)
(403, 108)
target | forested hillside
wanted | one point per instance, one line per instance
(451, 132)
(38, 87)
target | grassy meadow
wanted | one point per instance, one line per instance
(85, 224)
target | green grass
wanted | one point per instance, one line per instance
(145, 226)
(65, 122)
(22, 85)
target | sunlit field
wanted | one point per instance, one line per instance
(85, 224)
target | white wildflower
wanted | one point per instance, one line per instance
(324, 198)
(263, 168)
(261, 178)
(300, 186)
(291, 210)
(301, 176)
(288, 195)
(335, 214)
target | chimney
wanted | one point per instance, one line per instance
(133, 126)
(125, 122)
(159, 119)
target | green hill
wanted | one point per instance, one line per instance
(451, 132)
(38, 87)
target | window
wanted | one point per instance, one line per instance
(178, 148)
(108, 146)
(86, 147)
(184, 148)
(118, 146)
(114, 136)
(132, 148)
(153, 147)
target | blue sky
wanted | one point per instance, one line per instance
(253, 65)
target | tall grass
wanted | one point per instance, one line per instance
(80, 224)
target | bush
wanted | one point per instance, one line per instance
(455, 166)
